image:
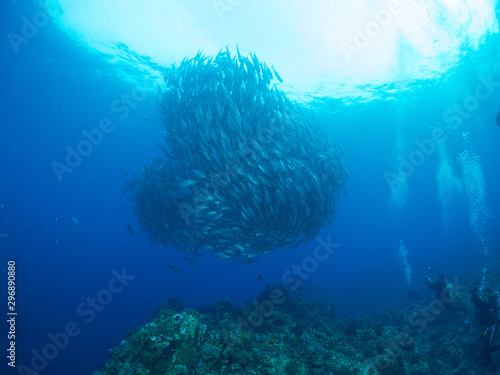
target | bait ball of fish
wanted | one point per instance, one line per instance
(245, 171)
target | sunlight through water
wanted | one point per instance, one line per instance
(352, 50)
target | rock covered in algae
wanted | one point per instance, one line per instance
(169, 342)
(292, 337)
(245, 171)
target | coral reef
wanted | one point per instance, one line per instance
(280, 334)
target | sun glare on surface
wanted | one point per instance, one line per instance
(322, 48)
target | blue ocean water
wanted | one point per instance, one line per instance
(69, 236)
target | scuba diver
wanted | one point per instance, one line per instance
(439, 285)
(489, 309)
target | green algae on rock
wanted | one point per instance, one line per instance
(299, 336)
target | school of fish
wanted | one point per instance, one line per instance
(245, 171)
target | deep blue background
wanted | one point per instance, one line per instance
(51, 91)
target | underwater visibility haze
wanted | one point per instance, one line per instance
(236, 187)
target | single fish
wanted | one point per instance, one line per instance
(187, 183)
(174, 268)
(189, 260)
(130, 230)
(199, 173)
(246, 260)
(145, 117)
(277, 75)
